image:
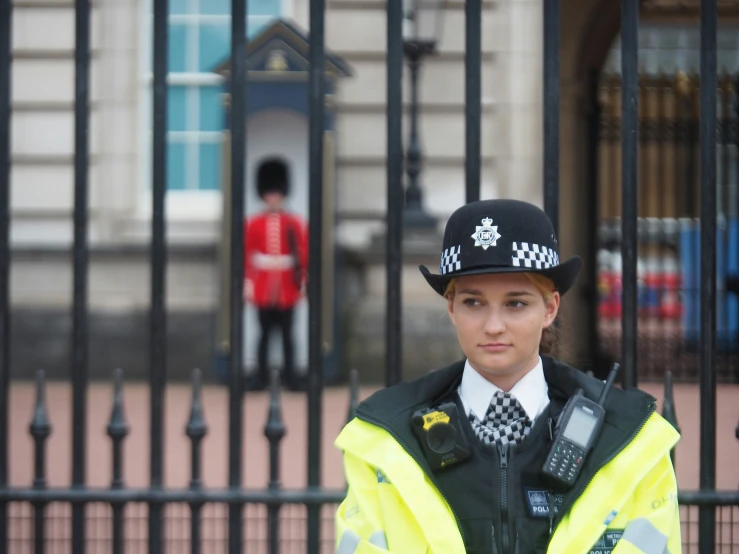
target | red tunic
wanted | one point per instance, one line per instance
(270, 264)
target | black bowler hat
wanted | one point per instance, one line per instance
(501, 236)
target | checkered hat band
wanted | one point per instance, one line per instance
(450, 260)
(528, 254)
(505, 421)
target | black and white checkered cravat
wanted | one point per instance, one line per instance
(505, 421)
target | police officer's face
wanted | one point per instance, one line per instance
(499, 321)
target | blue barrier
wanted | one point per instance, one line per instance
(727, 263)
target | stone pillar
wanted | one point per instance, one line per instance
(115, 181)
(518, 91)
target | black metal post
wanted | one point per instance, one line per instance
(354, 398)
(592, 216)
(353, 394)
(6, 27)
(551, 111)
(732, 282)
(158, 321)
(724, 206)
(708, 84)
(684, 144)
(668, 408)
(39, 528)
(80, 263)
(414, 215)
(118, 535)
(629, 145)
(196, 430)
(317, 104)
(236, 339)
(117, 431)
(395, 195)
(473, 97)
(274, 430)
(40, 430)
(195, 521)
(689, 167)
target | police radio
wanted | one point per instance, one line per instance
(576, 431)
(440, 436)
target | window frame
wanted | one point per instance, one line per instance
(189, 204)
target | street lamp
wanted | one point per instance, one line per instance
(421, 32)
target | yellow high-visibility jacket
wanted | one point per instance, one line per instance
(392, 504)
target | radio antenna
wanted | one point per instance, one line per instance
(609, 382)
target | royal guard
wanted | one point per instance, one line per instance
(275, 269)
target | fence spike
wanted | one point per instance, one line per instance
(117, 431)
(40, 429)
(117, 426)
(274, 429)
(353, 393)
(196, 428)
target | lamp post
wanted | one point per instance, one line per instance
(421, 32)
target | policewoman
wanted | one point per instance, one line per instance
(507, 450)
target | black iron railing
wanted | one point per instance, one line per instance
(119, 497)
(237, 503)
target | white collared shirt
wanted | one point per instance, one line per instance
(476, 392)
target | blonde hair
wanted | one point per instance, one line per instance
(549, 342)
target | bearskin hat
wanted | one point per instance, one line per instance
(272, 176)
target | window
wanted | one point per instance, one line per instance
(199, 39)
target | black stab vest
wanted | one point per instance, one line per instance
(491, 502)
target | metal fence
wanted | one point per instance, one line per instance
(707, 498)
(197, 519)
(214, 535)
(141, 519)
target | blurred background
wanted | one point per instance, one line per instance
(512, 144)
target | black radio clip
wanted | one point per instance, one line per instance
(440, 436)
(576, 431)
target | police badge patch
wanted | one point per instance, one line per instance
(538, 503)
(486, 235)
(607, 542)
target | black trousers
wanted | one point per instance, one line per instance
(271, 319)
